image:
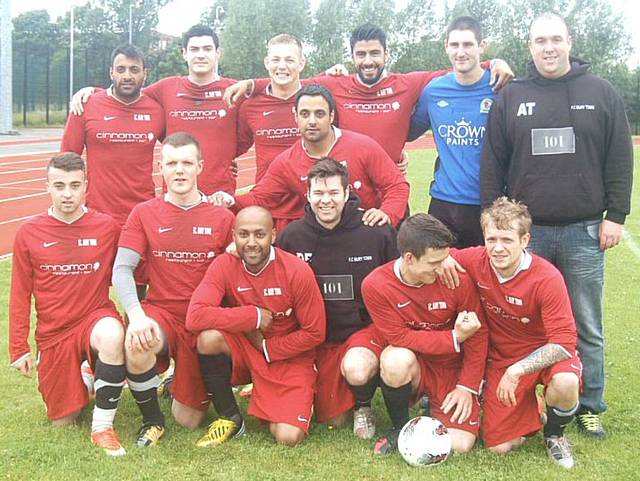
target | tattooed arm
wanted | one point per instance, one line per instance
(543, 357)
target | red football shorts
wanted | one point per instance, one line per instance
(282, 390)
(438, 381)
(59, 378)
(187, 386)
(333, 396)
(502, 423)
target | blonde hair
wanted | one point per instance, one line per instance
(507, 214)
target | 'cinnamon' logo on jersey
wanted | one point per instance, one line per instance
(87, 242)
(514, 300)
(211, 114)
(493, 309)
(272, 291)
(202, 231)
(126, 137)
(525, 109)
(279, 133)
(430, 326)
(461, 133)
(385, 91)
(184, 256)
(437, 306)
(70, 269)
(373, 108)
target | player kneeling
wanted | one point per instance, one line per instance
(259, 317)
(425, 324)
(63, 258)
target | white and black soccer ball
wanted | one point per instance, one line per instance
(424, 441)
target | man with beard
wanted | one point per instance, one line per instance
(258, 317)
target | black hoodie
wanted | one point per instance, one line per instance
(341, 258)
(562, 146)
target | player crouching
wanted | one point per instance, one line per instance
(259, 317)
(63, 259)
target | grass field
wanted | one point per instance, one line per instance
(30, 449)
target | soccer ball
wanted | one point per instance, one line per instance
(424, 441)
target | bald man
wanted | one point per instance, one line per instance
(258, 317)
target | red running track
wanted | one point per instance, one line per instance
(22, 182)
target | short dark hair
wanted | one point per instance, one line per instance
(200, 31)
(67, 161)
(129, 51)
(367, 32)
(180, 139)
(421, 232)
(315, 90)
(507, 214)
(328, 167)
(465, 23)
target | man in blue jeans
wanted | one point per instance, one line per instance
(559, 141)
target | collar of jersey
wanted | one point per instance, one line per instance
(396, 270)
(84, 211)
(269, 91)
(110, 94)
(337, 132)
(203, 199)
(272, 257)
(525, 263)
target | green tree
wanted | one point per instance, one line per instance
(329, 36)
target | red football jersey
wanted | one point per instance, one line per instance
(227, 298)
(523, 313)
(422, 319)
(67, 269)
(119, 139)
(372, 176)
(178, 245)
(381, 111)
(200, 111)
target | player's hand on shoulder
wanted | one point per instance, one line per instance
(459, 402)
(448, 272)
(501, 74)
(25, 366)
(239, 89)
(81, 97)
(221, 199)
(375, 216)
(143, 333)
(338, 70)
(467, 324)
(403, 165)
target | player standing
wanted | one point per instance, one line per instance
(119, 130)
(456, 106)
(63, 259)
(341, 250)
(436, 342)
(179, 234)
(259, 317)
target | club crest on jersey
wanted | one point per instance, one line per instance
(514, 300)
(437, 306)
(442, 104)
(142, 117)
(385, 91)
(87, 242)
(272, 291)
(485, 105)
(202, 230)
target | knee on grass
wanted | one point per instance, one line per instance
(287, 434)
(507, 447)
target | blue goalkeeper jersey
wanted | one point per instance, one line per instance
(458, 116)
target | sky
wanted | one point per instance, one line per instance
(175, 18)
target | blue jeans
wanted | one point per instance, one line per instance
(575, 250)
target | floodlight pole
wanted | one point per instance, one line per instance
(6, 94)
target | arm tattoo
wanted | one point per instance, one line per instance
(545, 356)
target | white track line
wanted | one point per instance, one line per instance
(4, 164)
(631, 243)
(22, 154)
(32, 169)
(17, 182)
(19, 219)
(26, 196)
